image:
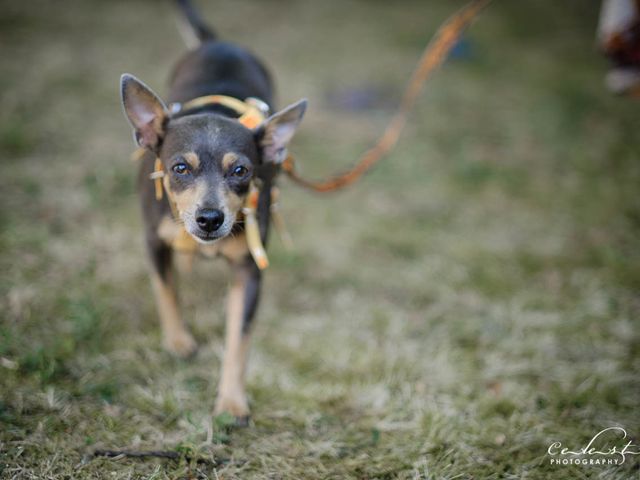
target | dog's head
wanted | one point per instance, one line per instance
(209, 160)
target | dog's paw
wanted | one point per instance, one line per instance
(181, 344)
(236, 406)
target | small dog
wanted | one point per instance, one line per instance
(208, 161)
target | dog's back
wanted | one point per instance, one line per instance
(216, 67)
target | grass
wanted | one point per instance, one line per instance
(471, 301)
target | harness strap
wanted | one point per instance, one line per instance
(251, 112)
(252, 230)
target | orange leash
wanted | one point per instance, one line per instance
(434, 54)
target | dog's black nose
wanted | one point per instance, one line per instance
(209, 219)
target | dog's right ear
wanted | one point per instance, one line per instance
(144, 110)
(275, 133)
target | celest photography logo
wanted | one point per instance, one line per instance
(607, 447)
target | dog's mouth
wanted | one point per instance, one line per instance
(207, 238)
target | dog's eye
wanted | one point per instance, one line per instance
(240, 171)
(180, 168)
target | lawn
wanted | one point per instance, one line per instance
(470, 302)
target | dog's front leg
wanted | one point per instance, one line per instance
(241, 307)
(176, 337)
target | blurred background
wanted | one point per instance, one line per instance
(472, 300)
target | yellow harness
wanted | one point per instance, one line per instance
(252, 112)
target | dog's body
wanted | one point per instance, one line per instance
(209, 160)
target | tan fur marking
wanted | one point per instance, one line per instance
(168, 230)
(235, 248)
(231, 393)
(190, 197)
(234, 202)
(177, 338)
(210, 250)
(192, 159)
(228, 159)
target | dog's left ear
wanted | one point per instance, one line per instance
(144, 110)
(275, 133)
